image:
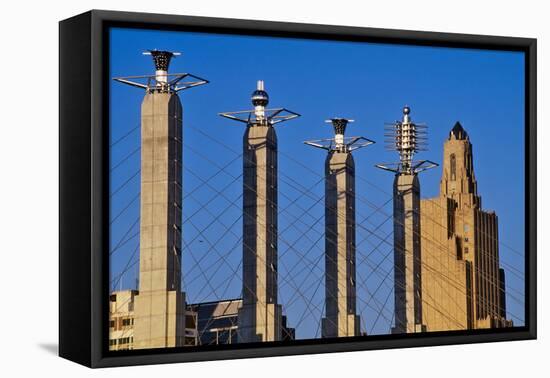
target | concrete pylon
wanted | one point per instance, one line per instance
(340, 282)
(340, 318)
(407, 138)
(260, 316)
(160, 305)
(159, 309)
(407, 259)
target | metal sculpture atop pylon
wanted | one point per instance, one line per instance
(162, 81)
(261, 116)
(340, 143)
(407, 138)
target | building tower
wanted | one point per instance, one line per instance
(407, 138)
(160, 306)
(463, 283)
(260, 314)
(341, 317)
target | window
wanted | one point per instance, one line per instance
(466, 250)
(190, 321)
(127, 322)
(453, 167)
(112, 324)
(112, 342)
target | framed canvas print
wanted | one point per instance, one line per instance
(234, 188)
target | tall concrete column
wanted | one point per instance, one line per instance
(340, 318)
(160, 305)
(340, 283)
(159, 309)
(260, 314)
(407, 138)
(407, 259)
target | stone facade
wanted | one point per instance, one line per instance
(121, 319)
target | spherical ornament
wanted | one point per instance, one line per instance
(406, 110)
(260, 98)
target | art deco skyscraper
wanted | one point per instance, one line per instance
(407, 138)
(341, 317)
(260, 317)
(160, 306)
(463, 284)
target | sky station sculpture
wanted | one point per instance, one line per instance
(341, 318)
(407, 138)
(160, 306)
(260, 317)
(464, 287)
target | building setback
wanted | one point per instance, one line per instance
(463, 284)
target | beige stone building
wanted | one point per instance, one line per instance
(122, 320)
(462, 282)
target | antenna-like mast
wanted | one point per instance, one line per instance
(407, 138)
(162, 81)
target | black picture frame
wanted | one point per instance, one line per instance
(83, 198)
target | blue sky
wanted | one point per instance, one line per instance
(370, 83)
